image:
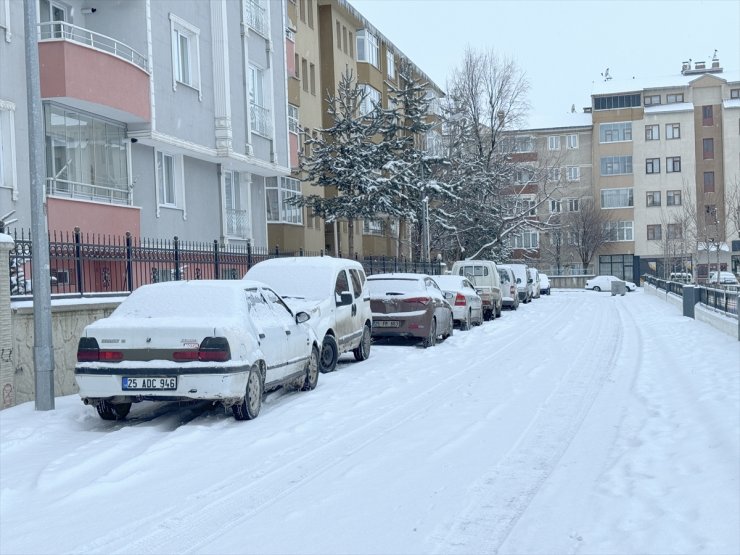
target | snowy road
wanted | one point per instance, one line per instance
(581, 423)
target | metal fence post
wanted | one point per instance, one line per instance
(249, 254)
(176, 244)
(129, 264)
(78, 261)
(216, 263)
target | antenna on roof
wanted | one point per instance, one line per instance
(572, 108)
(606, 75)
(714, 56)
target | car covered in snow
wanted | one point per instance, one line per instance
(544, 284)
(467, 307)
(722, 278)
(509, 290)
(333, 291)
(410, 306)
(220, 340)
(604, 283)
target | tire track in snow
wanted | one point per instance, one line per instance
(502, 496)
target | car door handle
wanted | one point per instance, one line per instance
(354, 310)
(287, 332)
(262, 336)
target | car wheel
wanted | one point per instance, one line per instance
(498, 310)
(465, 324)
(329, 354)
(450, 329)
(431, 339)
(250, 406)
(362, 352)
(516, 304)
(110, 411)
(312, 371)
(597, 288)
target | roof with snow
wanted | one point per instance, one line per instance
(558, 121)
(636, 84)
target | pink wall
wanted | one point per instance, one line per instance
(92, 217)
(293, 138)
(78, 72)
(290, 55)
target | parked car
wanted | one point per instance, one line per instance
(483, 274)
(604, 283)
(509, 293)
(523, 282)
(681, 277)
(544, 284)
(534, 275)
(409, 305)
(334, 292)
(467, 307)
(724, 278)
(226, 341)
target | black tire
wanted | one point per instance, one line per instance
(431, 339)
(329, 354)
(516, 304)
(467, 322)
(597, 288)
(498, 310)
(312, 371)
(250, 406)
(487, 315)
(362, 352)
(110, 411)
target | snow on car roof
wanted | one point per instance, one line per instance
(309, 277)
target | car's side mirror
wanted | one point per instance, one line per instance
(518, 280)
(345, 299)
(531, 281)
(302, 317)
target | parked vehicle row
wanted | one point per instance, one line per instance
(286, 322)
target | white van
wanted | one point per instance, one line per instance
(484, 276)
(523, 281)
(333, 291)
(534, 275)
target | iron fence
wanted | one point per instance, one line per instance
(721, 298)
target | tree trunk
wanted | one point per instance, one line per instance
(351, 238)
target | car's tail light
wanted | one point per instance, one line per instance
(460, 300)
(214, 349)
(185, 356)
(87, 350)
(111, 356)
(420, 300)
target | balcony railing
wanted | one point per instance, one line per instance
(236, 223)
(87, 191)
(256, 17)
(51, 30)
(260, 118)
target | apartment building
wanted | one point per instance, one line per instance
(162, 118)
(666, 153)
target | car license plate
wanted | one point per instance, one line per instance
(386, 323)
(149, 384)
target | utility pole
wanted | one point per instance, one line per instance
(43, 351)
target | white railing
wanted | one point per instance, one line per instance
(88, 191)
(261, 121)
(256, 17)
(53, 30)
(236, 222)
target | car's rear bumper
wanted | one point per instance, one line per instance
(413, 325)
(216, 385)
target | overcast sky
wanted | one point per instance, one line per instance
(562, 46)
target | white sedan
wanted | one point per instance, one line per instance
(467, 306)
(604, 283)
(226, 341)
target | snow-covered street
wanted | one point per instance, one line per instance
(580, 423)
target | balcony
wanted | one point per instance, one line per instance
(256, 17)
(236, 223)
(93, 72)
(261, 120)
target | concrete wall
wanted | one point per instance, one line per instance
(568, 282)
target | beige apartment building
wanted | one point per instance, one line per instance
(324, 38)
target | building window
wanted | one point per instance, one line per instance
(339, 35)
(652, 165)
(390, 64)
(523, 144)
(672, 130)
(707, 116)
(708, 182)
(673, 164)
(367, 48)
(574, 205)
(5, 20)
(344, 39)
(673, 198)
(185, 53)
(279, 192)
(615, 132)
(652, 99)
(654, 232)
(256, 18)
(372, 227)
(525, 240)
(653, 198)
(259, 110)
(572, 141)
(309, 12)
(734, 93)
(166, 180)
(616, 165)
(555, 206)
(312, 73)
(351, 46)
(302, 8)
(708, 148)
(617, 101)
(673, 231)
(304, 72)
(573, 173)
(8, 175)
(674, 98)
(617, 198)
(710, 214)
(293, 125)
(553, 175)
(86, 157)
(553, 142)
(371, 98)
(524, 175)
(652, 132)
(235, 216)
(619, 231)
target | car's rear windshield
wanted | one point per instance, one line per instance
(394, 286)
(178, 302)
(307, 282)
